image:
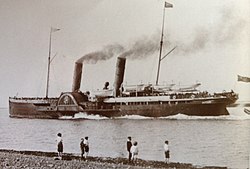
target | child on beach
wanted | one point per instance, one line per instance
(129, 145)
(134, 150)
(82, 146)
(86, 144)
(59, 145)
(166, 151)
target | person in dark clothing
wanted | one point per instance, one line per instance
(59, 145)
(86, 147)
(82, 146)
(129, 145)
(106, 86)
(166, 151)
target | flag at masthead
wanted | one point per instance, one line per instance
(168, 5)
(243, 79)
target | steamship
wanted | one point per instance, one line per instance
(143, 99)
(150, 100)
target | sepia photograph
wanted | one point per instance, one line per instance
(125, 84)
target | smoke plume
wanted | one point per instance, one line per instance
(141, 48)
(106, 53)
(227, 30)
(224, 32)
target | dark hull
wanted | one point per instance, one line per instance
(215, 109)
(31, 110)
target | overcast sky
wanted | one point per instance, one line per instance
(212, 39)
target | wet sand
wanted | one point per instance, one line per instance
(36, 160)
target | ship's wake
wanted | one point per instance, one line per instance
(83, 115)
(236, 113)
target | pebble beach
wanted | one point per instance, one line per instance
(11, 159)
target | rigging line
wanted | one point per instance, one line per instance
(53, 58)
(56, 85)
(169, 53)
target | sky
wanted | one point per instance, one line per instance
(212, 39)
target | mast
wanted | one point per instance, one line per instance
(49, 60)
(166, 5)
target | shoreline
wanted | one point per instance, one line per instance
(34, 159)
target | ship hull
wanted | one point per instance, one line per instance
(43, 108)
(215, 109)
(31, 110)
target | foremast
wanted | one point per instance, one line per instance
(50, 60)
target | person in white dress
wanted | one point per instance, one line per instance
(134, 151)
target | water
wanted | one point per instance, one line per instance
(202, 141)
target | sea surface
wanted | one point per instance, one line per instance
(202, 141)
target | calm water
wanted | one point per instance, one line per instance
(220, 141)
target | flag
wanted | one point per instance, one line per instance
(54, 29)
(168, 5)
(243, 79)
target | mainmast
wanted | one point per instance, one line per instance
(166, 5)
(49, 60)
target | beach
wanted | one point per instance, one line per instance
(35, 159)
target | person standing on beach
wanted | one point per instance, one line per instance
(59, 145)
(135, 151)
(166, 151)
(86, 146)
(129, 145)
(82, 146)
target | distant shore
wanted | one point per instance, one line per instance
(37, 159)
